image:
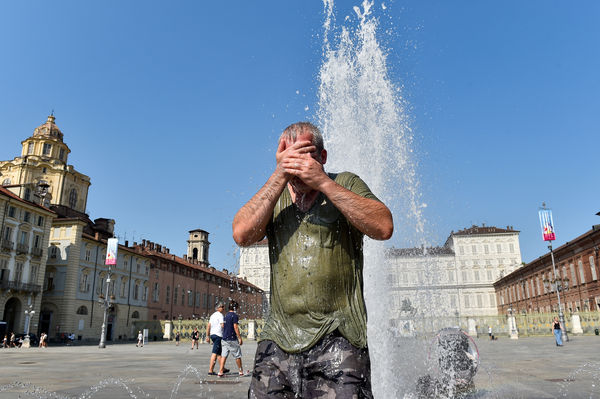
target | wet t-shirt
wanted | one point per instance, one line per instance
(316, 272)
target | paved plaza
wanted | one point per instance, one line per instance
(524, 368)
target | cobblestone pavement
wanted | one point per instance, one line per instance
(524, 368)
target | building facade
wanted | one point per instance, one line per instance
(43, 161)
(190, 289)
(24, 228)
(255, 266)
(454, 280)
(532, 288)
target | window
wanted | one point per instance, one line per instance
(190, 298)
(467, 304)
(175, 296)
(27, 196)
(489, 275)
(464, 276)
(593, 269)
(24, 238)
(12, 211)
(144, 293)
(123, 287)
(479, 301)
(499, 248)
(82, 310)
(53, 252)
(6, 181)
(44, 170)
(474, 249)
(18, 271)
(136, 291)
(73, 198)
(7, 233)
(451, 276)
(135, 315)
(511, 248)
(581, 273)
(61, 154)
(155, 296)
(476, 275)
(573, 275)
(486, 249)
(30, 149)
(453, 301)
(50, 281)
(461, 249)
(493, 300)
(88, 255)
(168, 294)
(34, 274)
(46, 149)
(137, 267)
(84, 285)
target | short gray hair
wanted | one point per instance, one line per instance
(293, 130)
(220, 305)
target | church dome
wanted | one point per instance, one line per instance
(48, 129)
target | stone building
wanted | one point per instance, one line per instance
(198, 246)
(43, 160)
(455, 280)
(532, 288)
(255, 266)
(24, 229)
(189, 288)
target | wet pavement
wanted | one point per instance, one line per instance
(524, 368)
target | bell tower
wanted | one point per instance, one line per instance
(198, 246)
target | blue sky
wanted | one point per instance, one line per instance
(173, 108)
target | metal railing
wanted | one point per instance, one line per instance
(36, 252)
(22, 248)
(6, 244)
(19, 286)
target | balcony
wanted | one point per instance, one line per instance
(19, 286)
(21, 248)
(37, 252)
(7, 245)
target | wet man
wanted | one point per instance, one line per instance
(314, 343)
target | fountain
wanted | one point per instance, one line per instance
(366, 131)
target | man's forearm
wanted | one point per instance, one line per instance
(250, 223)
(369, 216)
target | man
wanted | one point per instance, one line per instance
(214, 332)
(314, 343)
(140, 339)
(195, 337)
(232, 340)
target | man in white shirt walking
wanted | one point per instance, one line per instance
(214, 332)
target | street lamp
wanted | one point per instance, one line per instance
(180, 318)
(512, 323)
(106, 302)
(28, 316)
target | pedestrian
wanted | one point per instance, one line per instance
(232, 340)
(140, 341)
(490, 333)
(43, 337)
(195, 337)
(176, 338)
(214, 332)
(557, 330)
(314, 341)
(13, 340)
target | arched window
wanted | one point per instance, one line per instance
(135, 315)
(73, 198)
(6, 181)
(82, 310)
(195, 253)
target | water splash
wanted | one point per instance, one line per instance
(366, 130)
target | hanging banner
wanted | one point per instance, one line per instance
(547, 224)
(111, 251)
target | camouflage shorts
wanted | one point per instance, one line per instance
(333, 368)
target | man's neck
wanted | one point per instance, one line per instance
(303, 200)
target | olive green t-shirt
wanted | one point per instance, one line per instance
(316, 272)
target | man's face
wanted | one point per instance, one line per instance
(220, 309)
(321, 157)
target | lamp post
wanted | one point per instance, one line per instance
(105, 302)
(28, 315)
(512, 323)
(180, 318)
(547, 224)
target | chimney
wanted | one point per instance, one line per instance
(144, 242)
(225, 271)
(167, 249)
(158, 248)
(172, 257)
(126, 243)
(185, 257)
(97, 235)
(135, 244)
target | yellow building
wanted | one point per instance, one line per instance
(70, 291)
(24, 227)
(44, 160)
